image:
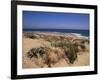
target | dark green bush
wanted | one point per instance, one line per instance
(70, 49)
(82, 46)
(34, 52)
(31, 35)
(71, 52)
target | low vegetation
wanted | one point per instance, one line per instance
(36, 52)
(58, 49)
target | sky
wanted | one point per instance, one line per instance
(55, 20)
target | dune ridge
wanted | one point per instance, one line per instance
(54, 49)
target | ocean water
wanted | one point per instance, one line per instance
(76, 31)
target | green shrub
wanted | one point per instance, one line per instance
(31, 35)
(70, 49)
(34, 52)
(71, 52)
(58, 44)
(82, 46)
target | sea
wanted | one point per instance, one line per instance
(76, 31)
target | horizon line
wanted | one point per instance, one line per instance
(51, 28)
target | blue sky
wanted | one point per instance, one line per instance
(55, 20)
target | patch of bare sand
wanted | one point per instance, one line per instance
(82, 60)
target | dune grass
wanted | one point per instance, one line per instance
(70, 48)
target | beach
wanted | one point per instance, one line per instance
(54, 49)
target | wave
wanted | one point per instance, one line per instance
(80, 35)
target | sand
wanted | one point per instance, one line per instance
(28, 43)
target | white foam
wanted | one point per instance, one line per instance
(80, 35)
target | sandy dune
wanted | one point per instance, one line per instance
(28, 43)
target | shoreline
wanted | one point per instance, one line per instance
(59, 33)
